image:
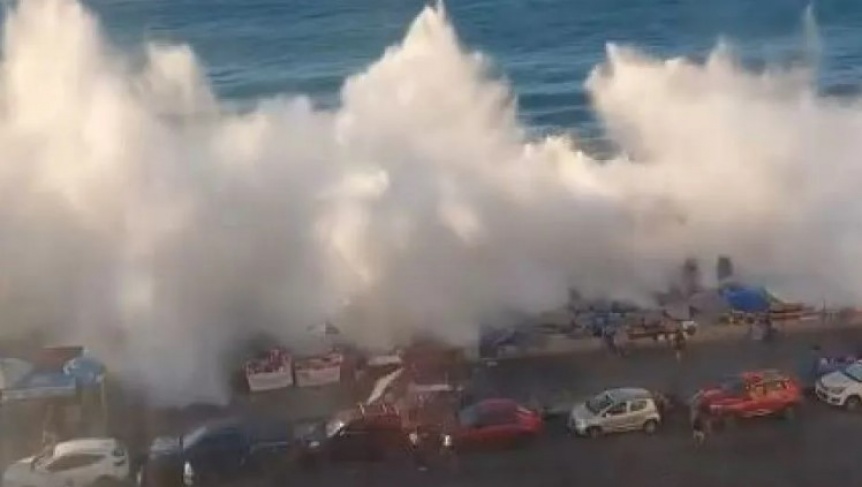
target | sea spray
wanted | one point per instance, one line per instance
(146, 218)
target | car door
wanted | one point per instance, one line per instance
(74, 470)
(615, 417)
(222, 454)
(499, 426)
(777, 394)
(758, 401)
(352, 442)
(636, 415)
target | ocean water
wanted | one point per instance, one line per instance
(179, 177)
(545, 48)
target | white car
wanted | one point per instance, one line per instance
(616, 410)
(85, 462)
(842, 388)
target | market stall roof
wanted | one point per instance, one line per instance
(28, 379)
(747, 299)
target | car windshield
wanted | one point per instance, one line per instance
(599, 403)
(188, 440)
(733, 387)
(469, 416)
(854, 371)
(337, 423)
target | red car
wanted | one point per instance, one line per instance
(751, 394)
(492, 423)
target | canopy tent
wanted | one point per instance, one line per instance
(87, 371)
(20, 379)
(747, 299)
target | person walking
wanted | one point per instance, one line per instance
(701, 423)
(678, 343)
(423, 443)
(698, 429)
(50, 431)
(609, 336)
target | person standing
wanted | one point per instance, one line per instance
(701, 424)
(679, 343)
(609, 336)
(423, 443)
(698, 429)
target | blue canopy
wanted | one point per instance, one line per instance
(747, 299)
(87, 371)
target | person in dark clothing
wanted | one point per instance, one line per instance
(698, 429)
(679, 342)
(769, 330)
(609, 337)
(701, 424)
(423, 443)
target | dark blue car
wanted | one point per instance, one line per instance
(217, 452)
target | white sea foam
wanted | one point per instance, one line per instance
(141, 215)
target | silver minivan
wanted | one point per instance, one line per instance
(616, 410)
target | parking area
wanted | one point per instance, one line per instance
(820, 447)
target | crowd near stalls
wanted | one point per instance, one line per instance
(672, 317)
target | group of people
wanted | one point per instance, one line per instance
(678, 341)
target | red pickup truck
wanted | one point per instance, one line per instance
(749, 395)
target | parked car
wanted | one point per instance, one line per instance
(365, 433)
(617, 410)
(96, 462)
(842, 387)
(490, 424)
(751, 394)
(218, 451)
(821, 365)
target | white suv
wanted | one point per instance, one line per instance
(98, 462)
(842, 388)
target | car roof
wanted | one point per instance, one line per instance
(628, 393)
(86, 445)
(762, 375)
(497, 404)
(253, 425)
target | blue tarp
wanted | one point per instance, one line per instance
(747, 299)
(87, 371)
(22, 380)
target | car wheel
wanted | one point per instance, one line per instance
(650, 427)
(789, 413)
(594, 432)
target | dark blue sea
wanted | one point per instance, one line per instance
(545, 48)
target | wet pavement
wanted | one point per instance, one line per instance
(818, 448)
(554, 379)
